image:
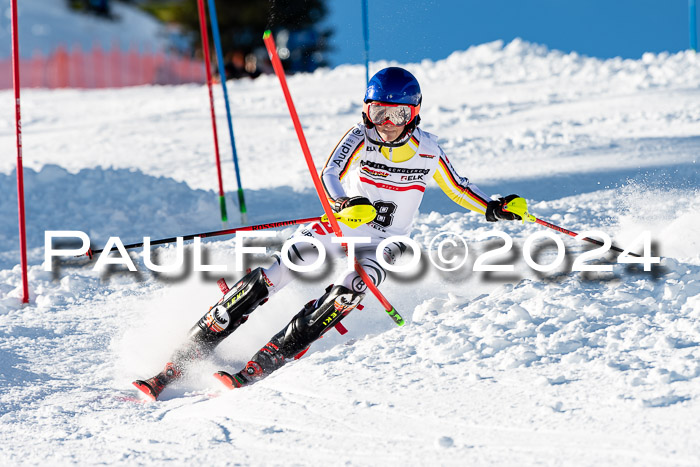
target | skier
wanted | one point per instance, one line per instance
(385, 161)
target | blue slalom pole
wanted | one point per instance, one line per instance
(693, 18)
(365, 33)
(222, 75)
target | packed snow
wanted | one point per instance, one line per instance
(492, 368)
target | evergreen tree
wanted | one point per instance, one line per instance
(301, 39)
(97, 7)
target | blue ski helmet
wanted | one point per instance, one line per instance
(394, 85)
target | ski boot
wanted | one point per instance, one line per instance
(248, 375)
(219, 322)
(152, 387)
(317, 317)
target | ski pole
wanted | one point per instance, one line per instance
(222, 74)
(215, 233)
(519, 206)
(279, 71)
(205, 50)
(574, 234)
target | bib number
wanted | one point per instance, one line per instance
(385, 213)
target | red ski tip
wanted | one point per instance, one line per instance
(145, 388)
(226, 379)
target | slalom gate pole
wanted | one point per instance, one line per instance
(205, 51)
(365, 34)
(20, 169)
(222, 73)
(277, 65)
(215, 233)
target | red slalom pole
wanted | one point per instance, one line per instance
(205, 50)
(20, 169)
(279, 70)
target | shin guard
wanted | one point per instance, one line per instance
(223, 318)
(317, 317)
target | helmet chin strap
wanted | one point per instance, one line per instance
(375, 138)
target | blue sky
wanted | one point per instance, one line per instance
(410, 30)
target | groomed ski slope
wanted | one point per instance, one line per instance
(513, 368)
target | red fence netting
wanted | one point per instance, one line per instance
(99, 68)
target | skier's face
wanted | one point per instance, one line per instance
(390, 132)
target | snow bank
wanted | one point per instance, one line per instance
(522, 62)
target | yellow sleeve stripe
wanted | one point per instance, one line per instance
(454, 195)
(477, 200)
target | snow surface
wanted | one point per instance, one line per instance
(516, 368)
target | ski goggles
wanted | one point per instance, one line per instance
(380, 113)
